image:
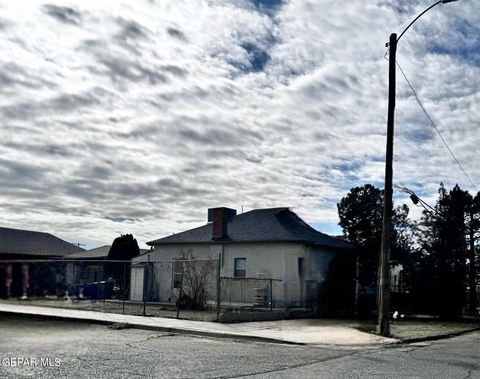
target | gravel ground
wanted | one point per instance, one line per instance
(114, 306)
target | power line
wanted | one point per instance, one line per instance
(415, 198)
(435, 127)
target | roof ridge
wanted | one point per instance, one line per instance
(179, 233)
(25, 230)
(266, 209)
(292, 234)
(257, 225)
(262, 210)
(98, 247)
(305, 224)
(302, 223)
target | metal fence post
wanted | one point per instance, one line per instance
(98, 282)
(104, 290)
(180, 295)
(241, 293)
(218, 288)
(104, 286)
(145, 286)
(271, 295)
(124, 287)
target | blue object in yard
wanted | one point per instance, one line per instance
(98, 290)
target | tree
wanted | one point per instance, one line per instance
(361, 218)
(360, 214)
(124, 247)
(198, 277)
(473, 226)
(439, 254)
(443, 242)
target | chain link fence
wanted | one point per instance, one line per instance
(82, 284)
(249, 293)
(182, 288)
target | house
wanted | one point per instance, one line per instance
(268, 245)
(17, 246)
(96, 266)
(86, 266)
(397, 277)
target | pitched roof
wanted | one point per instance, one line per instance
(259, 225)
(98, 252)
(26, 242)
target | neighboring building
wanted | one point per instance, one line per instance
(18, 245)
(98, 253)
(397, 280)
(94, 266)
(400, 297)
(308, 266)
(88, 266)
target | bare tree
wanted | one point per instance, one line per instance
(197, 275)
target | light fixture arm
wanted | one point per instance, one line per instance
(421, 14)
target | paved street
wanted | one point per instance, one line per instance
(87, 350)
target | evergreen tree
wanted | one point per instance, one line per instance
(361, 218)
(124, 247)
(360, 213)
(473, 227)
(442, 266)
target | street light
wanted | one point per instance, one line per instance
(383, 326)
(415, 198)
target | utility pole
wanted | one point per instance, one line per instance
(383, 326)
(383, 300)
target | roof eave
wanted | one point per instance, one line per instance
(216, 241)
(159, 242)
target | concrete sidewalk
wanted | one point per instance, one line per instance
(302, 331)
(314, 332)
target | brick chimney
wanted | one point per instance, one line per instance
(220, 218)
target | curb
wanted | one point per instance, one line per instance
(166, 329)
(230, 336)
(439, 336)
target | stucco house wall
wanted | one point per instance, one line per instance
(276, 244)
(278, 260)
(160, 287)
(272, 260)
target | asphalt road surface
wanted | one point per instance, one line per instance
(57, 349)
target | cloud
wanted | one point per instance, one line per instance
(66, 15)
(176, 33)
(121, 117)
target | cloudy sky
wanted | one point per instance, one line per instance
(136, 116)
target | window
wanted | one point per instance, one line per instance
(177, 273)
(240, 268)
(301, 267)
